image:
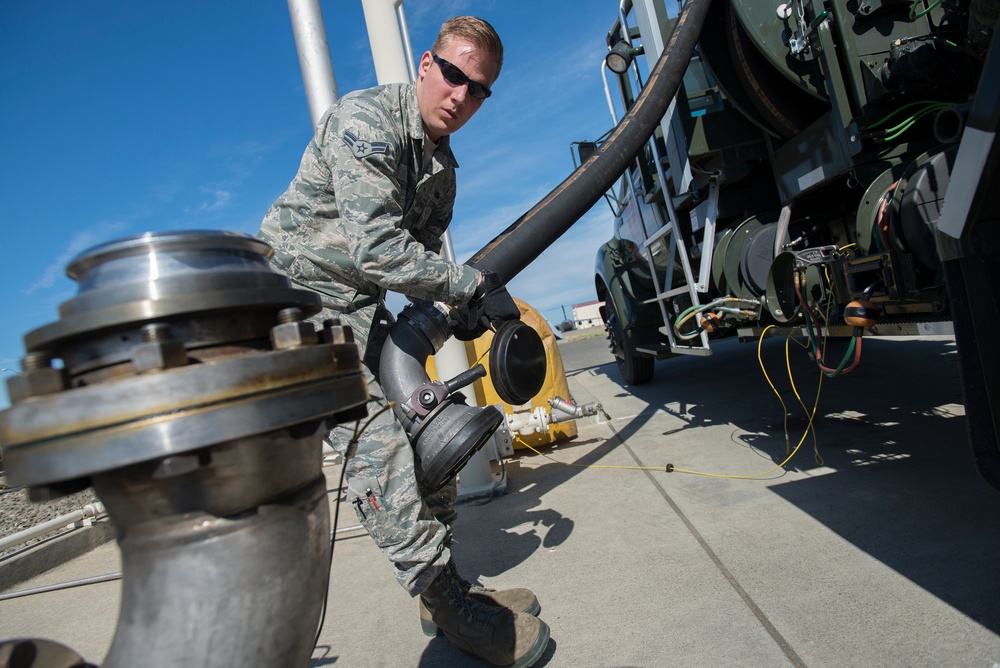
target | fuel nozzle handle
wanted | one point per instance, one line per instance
(428, 396)
(465, 378)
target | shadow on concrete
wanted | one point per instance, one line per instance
(897, 478)
(493, 548)
(904, 394)
(440, 652)
(941, 530)
(326, 658)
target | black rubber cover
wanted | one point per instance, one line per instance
(517, 362)
(758, 254)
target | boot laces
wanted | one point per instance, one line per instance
(466, 585)
(472, 611)
(462, 582)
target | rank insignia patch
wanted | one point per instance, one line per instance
(362, 148)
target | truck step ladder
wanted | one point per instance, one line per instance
(666, 237)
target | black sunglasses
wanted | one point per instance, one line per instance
(456, 77)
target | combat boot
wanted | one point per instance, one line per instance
(495, 634)
(516, 599)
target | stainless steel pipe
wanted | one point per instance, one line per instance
(192, 396)
(444, 431)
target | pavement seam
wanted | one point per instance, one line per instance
(785, 646)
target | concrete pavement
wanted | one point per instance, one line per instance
(881, 551)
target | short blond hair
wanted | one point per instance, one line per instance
(475, 31)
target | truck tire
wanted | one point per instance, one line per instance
(974, 292)
(636, 368)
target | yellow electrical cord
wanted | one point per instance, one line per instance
(809, 428)
(594, 466)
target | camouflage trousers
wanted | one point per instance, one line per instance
(411, 526)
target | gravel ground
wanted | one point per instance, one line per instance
(17, 512)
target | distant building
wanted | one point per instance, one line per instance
(588, 314)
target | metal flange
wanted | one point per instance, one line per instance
(175, 341)
(86, 430)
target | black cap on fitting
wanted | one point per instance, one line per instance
(517, 362)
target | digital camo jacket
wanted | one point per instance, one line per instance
(364, 214)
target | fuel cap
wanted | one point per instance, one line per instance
(517, 362)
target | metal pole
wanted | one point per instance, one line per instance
(386, 40)
(23, 536)
(407, 47)
(314, 56)
(63, 585)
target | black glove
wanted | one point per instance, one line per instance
(490, 305)
(498, 305)
(467, 321)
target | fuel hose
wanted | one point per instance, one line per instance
(521, 243)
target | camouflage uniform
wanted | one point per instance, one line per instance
(363, 215)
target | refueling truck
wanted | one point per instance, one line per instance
(825, 167)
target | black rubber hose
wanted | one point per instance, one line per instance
(518, 246)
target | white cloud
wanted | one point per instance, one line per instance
(82, 240)
(241, 159)
(477, 220)
(567, 88)
(425, 15)
(564, 273)
(220, 200)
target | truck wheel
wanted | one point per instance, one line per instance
(974, 292)
(635, 368)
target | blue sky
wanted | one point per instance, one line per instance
(121, 117)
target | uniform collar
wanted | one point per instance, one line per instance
(415, 129)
